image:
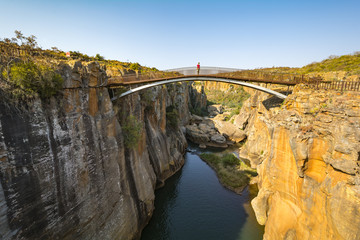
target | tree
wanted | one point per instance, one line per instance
(98, 57)
(19, 36)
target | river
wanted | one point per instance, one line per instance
(194, 205)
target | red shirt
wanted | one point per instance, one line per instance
(198, 66)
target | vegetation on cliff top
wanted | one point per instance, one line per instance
(22, 46)
(232, 172)
(349, 63)
(26, 70)
(22, 76)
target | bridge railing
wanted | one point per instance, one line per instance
(335, 85)
(141, 77)
(273, 76)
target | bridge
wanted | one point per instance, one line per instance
(215, 74)
(158, 82)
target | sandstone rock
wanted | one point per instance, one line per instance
(214, 110)
(218, 138)
(205, 128)
(241, 120)
(226, 127)
(218, 109)
(65, 172)
(205, 134)
(310, 165)
(202, 146)
(196, 135)
(347, 166)
(196, 119)
(260, 206)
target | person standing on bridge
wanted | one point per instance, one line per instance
(198, 68)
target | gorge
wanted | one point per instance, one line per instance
(77, 166)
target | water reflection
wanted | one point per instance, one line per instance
(194, 205)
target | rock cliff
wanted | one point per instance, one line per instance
(307, 154)
(65, 172)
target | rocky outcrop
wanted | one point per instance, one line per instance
(65, 172)
(205, 134)
(307, 156)
(214, 110)
(228, 129)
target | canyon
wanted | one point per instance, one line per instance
(67, 172)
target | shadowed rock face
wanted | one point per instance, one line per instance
(307, 157)
(65, 172)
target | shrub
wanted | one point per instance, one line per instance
(32, 78)
(135, 66)
(147, 96)
(172, 117)
(230, 160)
(131, 131)
(98, 57)
(233, 98)
(210, 157)
(202, 112)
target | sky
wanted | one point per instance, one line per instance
(242, 34)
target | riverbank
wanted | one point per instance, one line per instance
(232, 173)
(194, 205)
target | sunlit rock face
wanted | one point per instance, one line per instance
(307, 157)
(65, 172)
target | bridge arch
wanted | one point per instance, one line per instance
(188, 79)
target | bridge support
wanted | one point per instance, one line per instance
(214, 79)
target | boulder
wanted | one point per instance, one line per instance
(202, 146)
(234, 133)
(194, 134)
(214, 110)
(218, 138)
(196, 119)
(241, 120)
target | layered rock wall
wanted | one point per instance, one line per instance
(65, 172)
(307, 154)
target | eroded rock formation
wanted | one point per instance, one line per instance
(307, 154)
(65, 172)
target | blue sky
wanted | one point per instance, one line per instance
(168, 34)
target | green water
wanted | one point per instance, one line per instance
(194, 205)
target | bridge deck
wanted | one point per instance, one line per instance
(244, 79)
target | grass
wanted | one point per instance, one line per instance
(231, 171)
(349, 63)
(232, 100)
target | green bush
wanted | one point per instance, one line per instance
(135, 66)
(34, 78)
(210, 157)
(98, 57)
(230, 160)
(147, 96)
(233, 98)
(202, 112)
(232, 172)
(132, 131)
(172, 117)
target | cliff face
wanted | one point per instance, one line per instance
(65, 172)
(307, 154)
